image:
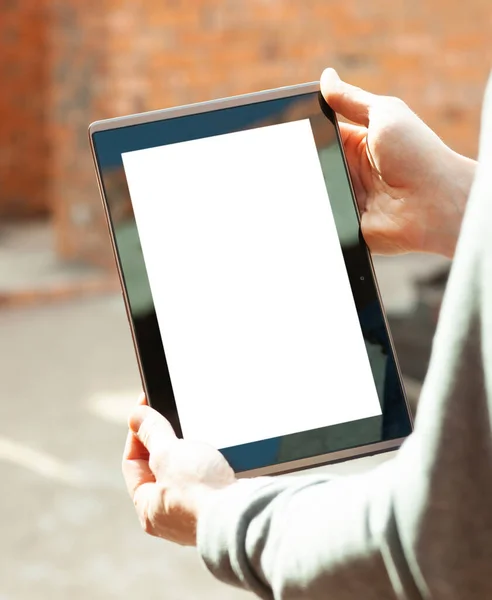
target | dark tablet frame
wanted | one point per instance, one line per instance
(109, 139)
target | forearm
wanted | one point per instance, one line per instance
(417, 526)
(304, 537)
(420, 525)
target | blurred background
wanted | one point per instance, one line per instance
(67, 369)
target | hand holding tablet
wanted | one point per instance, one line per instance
(250, 293)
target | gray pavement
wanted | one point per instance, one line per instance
(68, 530)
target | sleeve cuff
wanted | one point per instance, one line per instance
(217, 529)
(223, 527)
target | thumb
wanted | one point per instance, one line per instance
(351, 102)
(151, 428)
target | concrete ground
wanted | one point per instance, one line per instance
(68, 529)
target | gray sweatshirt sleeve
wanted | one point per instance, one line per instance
(416, 527)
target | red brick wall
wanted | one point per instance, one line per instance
(113, 57)
(80, 93)
(24, 150)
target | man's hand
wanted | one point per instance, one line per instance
(411, 188)
(170, 480)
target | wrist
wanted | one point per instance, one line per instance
(449, 203)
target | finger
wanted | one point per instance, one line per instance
(351, 134)
(348, 100)
(146, 505)
(152, 429)
(142, 400)
(134, 449)
(135, 465)
(352, 138)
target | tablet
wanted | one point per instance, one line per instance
(251, 296)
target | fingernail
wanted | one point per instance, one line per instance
(329, 81)
(332, 75)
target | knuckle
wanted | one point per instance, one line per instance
(145, 519)
(394, 102)
(392, 111)
(156, 461)
(153, 517)
(147, 431)
(393, 118)
(148, 526)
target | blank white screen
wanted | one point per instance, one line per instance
(250, 289)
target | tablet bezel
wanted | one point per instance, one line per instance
(232, 102)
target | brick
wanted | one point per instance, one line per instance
(62, 66)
